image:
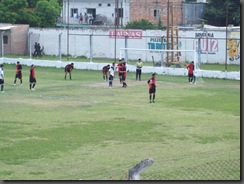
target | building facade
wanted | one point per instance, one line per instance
(168, 11)
(101, 11)
(14, 37)
(120, 12)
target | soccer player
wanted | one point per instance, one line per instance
(2, 78)
(68, 69)
(32, 78)
(105, 72)
(18, 73)
(190, 69)
(152, 88)
(123, 71)
(111, 75)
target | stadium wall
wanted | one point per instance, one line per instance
(101, 43)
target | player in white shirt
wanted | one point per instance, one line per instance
(111, 75)
(2, 78)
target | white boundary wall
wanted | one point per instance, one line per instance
(213, 43)
(130, 68)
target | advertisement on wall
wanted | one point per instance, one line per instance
(233, 46)
(121, 34)
(208, 44)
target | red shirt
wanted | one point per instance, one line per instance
(18, 69)
(69, 66)
(119, 67)
(105, 69)
(190, 68)
(151, 82)
(32, 73)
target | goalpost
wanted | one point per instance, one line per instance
(157, 51)
(124, 54)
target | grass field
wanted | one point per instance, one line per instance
(82, 130)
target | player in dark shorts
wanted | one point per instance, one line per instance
(105, 72)
(119, 65)
(68, 69)
(18, 74)
(123, 71)
(152, 88)
(190, 69)
(32, 78)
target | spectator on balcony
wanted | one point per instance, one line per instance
(91, 19)
(81, 19)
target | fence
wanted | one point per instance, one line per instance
(196, 167)
(218, 165)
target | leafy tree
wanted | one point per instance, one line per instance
(140, 24)
(48, 12)
(10, 9)
(28, 17)
(215, 12)
(32, 3)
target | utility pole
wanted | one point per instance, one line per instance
(116, 3)
(68, 33)
(226, 54)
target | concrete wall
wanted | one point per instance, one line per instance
(101, 43)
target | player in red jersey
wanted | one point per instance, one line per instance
(123, 72)
(190, 69)
(105, 72)
(152, 88)
(18, 73)
(32, 78)
(68, 69)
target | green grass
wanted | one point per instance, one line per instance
(81, 129)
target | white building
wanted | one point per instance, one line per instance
(103, 11)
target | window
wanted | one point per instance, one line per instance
(120, 12)
(100, 4)
(74, 12)
(5, 39)
(156, 13)
(108, 4)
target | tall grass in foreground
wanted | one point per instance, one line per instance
(81, 129)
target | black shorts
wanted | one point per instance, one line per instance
(152, 90)
(123, 78)
(32, 80)
(67, 70)
(121, 74)
(190, 75)
(19, 76)
(111, 78)
(1, 82)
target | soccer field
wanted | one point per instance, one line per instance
(82, 130)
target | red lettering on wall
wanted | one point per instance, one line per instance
(130, 34)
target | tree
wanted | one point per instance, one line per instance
(10, 9)
(32, 3)
(140, 24)
(48, 12)
(28, 17)
(215, 12)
